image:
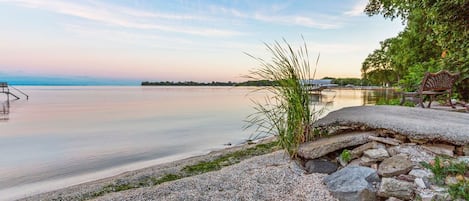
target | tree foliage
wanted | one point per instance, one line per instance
(435, 38)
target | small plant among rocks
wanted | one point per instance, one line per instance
(443, 169)
(346, 156)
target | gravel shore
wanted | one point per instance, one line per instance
(268, 177)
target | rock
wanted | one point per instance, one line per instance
(420, 183)
(374, 166)
(376, 154)
(355, 162)
(393, 199)
(396, 165)
(395, 188)
(323, 146)
(415, 153)
(451, 180)
(400, 137)
(390, 141)
(353, 183)
(405, 177)
(459, 150)
(440, 149)
(357, 152)
(419, 173)
(342, 162)
(418, 141)
(426, 195)
(465, 149)
(464, 159)
(366, 161)
(320, 166)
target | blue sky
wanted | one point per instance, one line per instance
(180, 40)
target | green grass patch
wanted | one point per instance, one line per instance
(459, 190)
(166, 178)
(443, 167)
(229, 159)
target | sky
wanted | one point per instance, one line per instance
(180, 40)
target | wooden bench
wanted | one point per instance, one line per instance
(433, 84)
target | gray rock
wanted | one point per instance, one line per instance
(420, 183)
(320, 166)
(389, 141)
(376, 154)
(415, 123)
(366, 161)
(440, 149)
(353, 183)
(396, 165)
(396, 188)
(420, 173)
(426, 195)
(415, 153)
(464, 159)
(323, 146)
(358, 151)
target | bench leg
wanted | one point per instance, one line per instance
(421, 101)
(430, 102)
(449, 99)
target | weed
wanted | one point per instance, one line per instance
(442, 167)
(346, 156)
(287, 113)
(229, 159)
(459, 190)
(165, 178)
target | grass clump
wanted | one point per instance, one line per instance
(459, 190)
(229, 159)
(287, 113)
(166, 178)
(443, 167)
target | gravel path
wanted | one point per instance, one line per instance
(268, 177)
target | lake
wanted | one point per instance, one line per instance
(65, 135)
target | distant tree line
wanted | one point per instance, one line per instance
(349, 81)
(213, 83)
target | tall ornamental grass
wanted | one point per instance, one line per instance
(286, 113)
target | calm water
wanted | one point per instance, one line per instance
(68, 135)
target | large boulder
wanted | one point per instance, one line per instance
(323, 146)
(353, 183)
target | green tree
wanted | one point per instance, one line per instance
(435, 38)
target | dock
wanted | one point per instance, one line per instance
(5, 88)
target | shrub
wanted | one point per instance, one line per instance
(286, 113)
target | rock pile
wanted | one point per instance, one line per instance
(381, 165)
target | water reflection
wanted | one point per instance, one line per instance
(4, 110)
(335, 99)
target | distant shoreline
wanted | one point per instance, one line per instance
(192, 83)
